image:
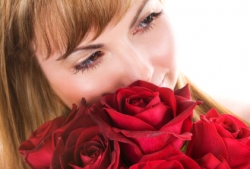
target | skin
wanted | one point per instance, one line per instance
(144, 51)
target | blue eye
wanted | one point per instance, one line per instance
(90, 62)
(147, 22)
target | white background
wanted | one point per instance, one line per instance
(213, 46)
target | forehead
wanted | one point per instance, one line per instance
(61, 25)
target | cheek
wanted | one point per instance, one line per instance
(62, 81)
(75, 88)
(71, 88)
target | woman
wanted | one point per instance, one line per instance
(53, 53)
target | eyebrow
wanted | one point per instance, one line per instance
(138, 13)
(89, 47)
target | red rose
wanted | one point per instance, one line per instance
(77, 143)
(86, 148)
(168, 158)
(210, 161)
(145, 118)
(224, 137)
(39, 144)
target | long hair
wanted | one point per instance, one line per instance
(26, 98)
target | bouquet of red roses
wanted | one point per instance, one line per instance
(141, 126)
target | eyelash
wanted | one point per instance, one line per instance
(148, 23)
(93, 60)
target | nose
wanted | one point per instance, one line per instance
(135, 65)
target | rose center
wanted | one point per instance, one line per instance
(94, 151)
(140, 102)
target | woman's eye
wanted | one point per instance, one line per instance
(90, 62)
(147, 22)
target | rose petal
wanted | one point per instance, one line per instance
(212, 113)
(119, 99)
(228, 126)
(44, 151)
(210, 161)
(150, 141)
(127, 122)
(238, 154)
(167, 97)
(202, 144)
(184, 92)
(183, 122)
(157, 116)
(144, 102)
(158, 164)
(144, 84)
(76, 119)
(173, 158)
(110, 132)
(154, 100)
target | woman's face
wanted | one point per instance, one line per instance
(139, 47)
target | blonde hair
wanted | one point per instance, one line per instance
(26, 98)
